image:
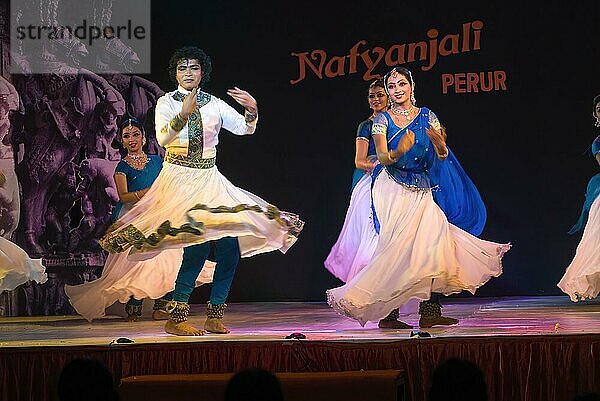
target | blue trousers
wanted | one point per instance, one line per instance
(225, 252)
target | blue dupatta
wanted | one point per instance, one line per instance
(420, 168)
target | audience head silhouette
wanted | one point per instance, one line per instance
(254, 385)
(86, 379)
(457, 380)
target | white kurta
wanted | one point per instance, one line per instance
(258, 226)
(122, 278)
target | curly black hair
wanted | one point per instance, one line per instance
(191, 53)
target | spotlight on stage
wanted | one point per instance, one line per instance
(295, 336)
(419, 334)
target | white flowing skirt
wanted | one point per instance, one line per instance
(122, 279)
(356, 243)
(177, 189)
(582, 277)
(16, 267)
(418, 252)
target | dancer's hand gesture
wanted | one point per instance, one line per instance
(189, 104)
(406, 142)
(243, 98)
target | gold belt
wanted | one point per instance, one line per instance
(192, 162)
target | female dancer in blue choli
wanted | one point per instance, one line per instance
(358, 237)
(582, 277)
(419, 253)
(357, 240)
(124, 280)
(365, 158)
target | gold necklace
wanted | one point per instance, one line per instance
(405, 113)
(137, 161)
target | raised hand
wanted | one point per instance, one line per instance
(189, 104)
(243, 98)
(406, 142)
(438, 139)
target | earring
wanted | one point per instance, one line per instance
(143, 141)
(412, 99)
(597, 123)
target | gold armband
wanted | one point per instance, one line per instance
(177, 123)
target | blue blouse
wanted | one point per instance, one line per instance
(591, 193)
(137, 179)
(420, 168)
(363, 132)
(412, 169)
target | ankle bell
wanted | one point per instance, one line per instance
(215, 311)
(160, 304)
(133, 310)
(178, 311)
(430, 309)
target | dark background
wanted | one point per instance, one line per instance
(526, 148)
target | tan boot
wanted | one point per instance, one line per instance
(177, 323)
(431, 315)
(214, 319)
(391, 322)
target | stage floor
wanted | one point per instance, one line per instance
(480, 317)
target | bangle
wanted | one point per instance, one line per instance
(392, 159)
(445, 154)
(250, 116)
(177, 123)
(137, 195)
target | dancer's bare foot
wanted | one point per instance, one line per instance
(182, 329)
(215, 325)
(160, 314)
(430, 321)
(393, 324)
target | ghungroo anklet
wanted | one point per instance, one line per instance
(430, 309)
(160, 304)
(178, 311)
(133, 310)
(215, 311)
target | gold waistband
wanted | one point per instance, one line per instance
(192, 162)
